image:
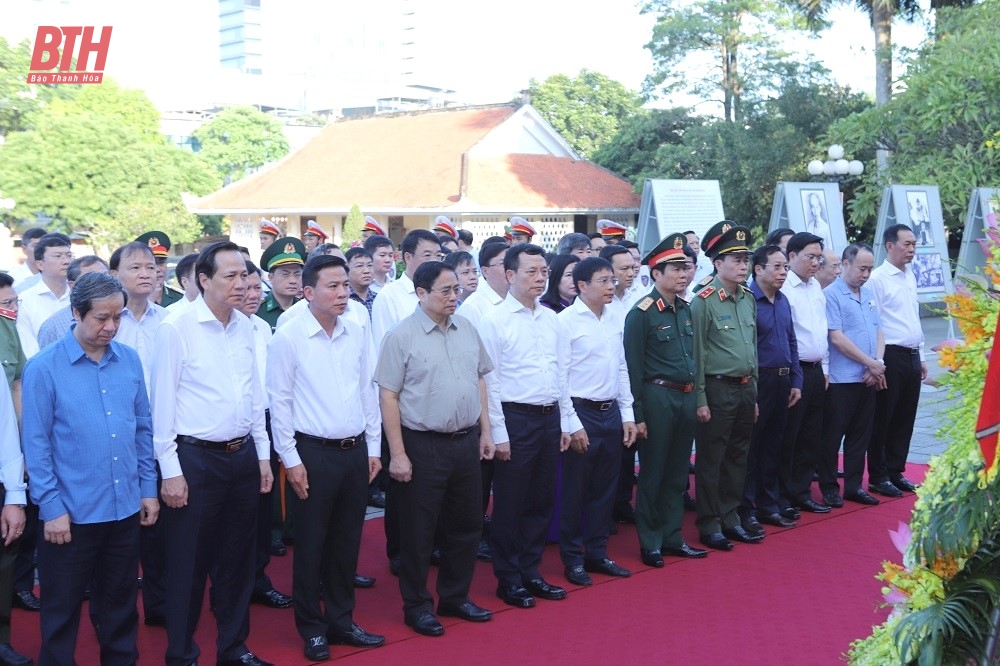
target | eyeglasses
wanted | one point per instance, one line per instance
(447, 291)
(604, 282)
(10, 303)
(494, 265)
(534, 272)
(284, 274)
(362, 267)
(777, 267)
(813, 257)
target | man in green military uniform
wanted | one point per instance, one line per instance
(283, 260)
(659, 351)
(11, 355)
(159, 245)
(725, 352)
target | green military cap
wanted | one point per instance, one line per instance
(283, 251)
(158, 242)
(670, 248)
(726, 237)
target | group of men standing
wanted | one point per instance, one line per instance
(150, 432)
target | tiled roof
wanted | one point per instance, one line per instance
(415, 161)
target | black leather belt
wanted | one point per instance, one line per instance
(229, 446)
(531, 409)
(676, 386)
(781, 372)
(906, 350)
(599, 405)
(810, 364)
(731, 380)
(345, 443)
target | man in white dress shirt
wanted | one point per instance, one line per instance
(26, 274)
(895, 290)
(524, 390)
(208, 427)
(319, 352)
(492, 289)
(800, 451)
(53, 254)
(596, 413)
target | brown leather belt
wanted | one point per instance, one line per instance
(683, 388)
(732, 380)
(346, 443)
(229, 446)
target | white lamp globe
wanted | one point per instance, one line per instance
(815, 168)
(836, 151)
(855, 167)
(841, 167)
(830, 168)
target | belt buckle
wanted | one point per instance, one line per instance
(234, 445)
(783, 371)
(347, 443)
(605, 406)
(548, 409)
(688, 387)
(745, 379)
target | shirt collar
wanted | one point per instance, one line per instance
(579, 307)
(75, 352)
(313, 327)
(795, 280)
(891, 269)
(514, 305)
(428, 324)
(406, 283)
(491, 295)
(204, 314)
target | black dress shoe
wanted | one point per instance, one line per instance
(27, 600)
(812, 506)
(272, 599)
(606, 567)
(467, 611)
(689, 504)
(317, 649)
(904, 484)
(376, 499)
(539, 588)
(775, 519)
(716, 541)
(278, 548)
(394, 565)
(578, 576)
(753, 526)
(249, 659)
(651, 558)
(363, 582)
(425, 623)
(885, 488)
(436, 557)
(737, 533)
(149, 621)
(356, 636)
(623, 513)
(516, 596)
(686, 551)
(11, 657)
(790, 513)
(834, 500)
(861, 497)
(484, 553)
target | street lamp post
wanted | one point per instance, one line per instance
(836, 168)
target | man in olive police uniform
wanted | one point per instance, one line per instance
(159, 245)
(283, 260)
(725, 352)
(659, 351)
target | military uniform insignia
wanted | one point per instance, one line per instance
(154, 241)
(678, 244)
(747, 289)
(645, 303)
(706, 280)
(741, 236)
(659, 305)
(726, 227)
(722, 294)
(706, 292)
(8, 314)
(289, 248)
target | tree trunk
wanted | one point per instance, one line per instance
(882, 12)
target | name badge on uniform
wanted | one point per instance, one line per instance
(723, 317)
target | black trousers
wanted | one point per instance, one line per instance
(24, 565)
(589, 484)
(8, 555)
(328, 538)
(802, 441)
(760, 493)
(390, 519)
(443, 497)
(152, 558)
(214, 534)
(265, 520)
(106, 554)
(524, 494)
(895, 411)
(850, 409)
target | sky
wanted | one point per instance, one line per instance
(486, 55)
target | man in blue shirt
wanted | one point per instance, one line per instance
(88, 445)
(856, 372)
(779, 386)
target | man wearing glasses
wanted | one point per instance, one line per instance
(283, 260)
(53, 253)
(11, 357)
(360, 273)
(433, 402)
(521, 338)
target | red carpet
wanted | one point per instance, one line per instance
(800, 597)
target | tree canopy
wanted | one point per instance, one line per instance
(20, 101)
(239, 140)
(586, 110)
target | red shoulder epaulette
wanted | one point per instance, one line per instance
(706, 292)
